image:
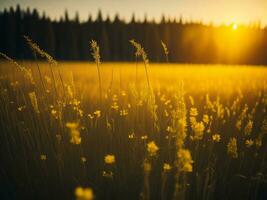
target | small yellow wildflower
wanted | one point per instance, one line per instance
(198, 129)
(72, 125)
(83, 159)
(249, 143)
(193, 112)
(90, 116)
(143, 137)
(43, 157)
(115, 97)
(166, 167)
(74, 133)
(167, 102)
(107, 174)
(115, 106)
(75, 137)
(48, 79)
(53, 112)
(170, 129)
(232, 148)
(185, 160)
(163, 98)
(205, 119)
(79, 192)
(131, 136)
(84, 193)
(166, 113)
(152, 148)
(238, 124)
(88, 194)
(192, 120)
(248, 128)
(109, 159)
(20, 108)
(147, 166)
(123, 112)
(123, 93)
(97, 113)
(216, 138)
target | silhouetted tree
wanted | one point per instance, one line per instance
(193, 42)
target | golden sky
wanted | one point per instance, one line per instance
(216, 11)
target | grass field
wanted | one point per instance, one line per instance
(173, 132)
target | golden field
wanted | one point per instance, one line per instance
(179, 132)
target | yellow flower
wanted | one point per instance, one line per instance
(248, 128)
(238, 124)
(97, 113)
(84, 193)
(107, 174)
(75, 137)
(198, 129)
(152, 148)
(205, 119)
(48, 79)
(20, 108)
(166, 113)
(147, 166)
(115, 97)
(83, 159)
(192, 120)
(53, 112)
(166, 167)
(76, 140)
(88, 194)
(43, 157)
(79, 192)
(167, 102)
(232, 148)
(193, 112)
(249, 143)
(115, 106)
(123, 112)
(123, 93)
(131, 136)
(162, 98)
(143, 137)
(185, 160)
(90, 116)
(216, 137)
(109, 159)
(72, 125)
(170, 129)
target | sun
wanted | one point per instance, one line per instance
(234, 26)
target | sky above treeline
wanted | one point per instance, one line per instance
(215, 11)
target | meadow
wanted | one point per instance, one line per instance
(78, 130)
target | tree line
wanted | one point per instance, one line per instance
(188, 42)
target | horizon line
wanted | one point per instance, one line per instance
(185, 20)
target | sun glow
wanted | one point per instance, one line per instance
(234, 26)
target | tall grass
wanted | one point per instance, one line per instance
(176, 136)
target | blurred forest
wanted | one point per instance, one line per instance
(188, 42)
